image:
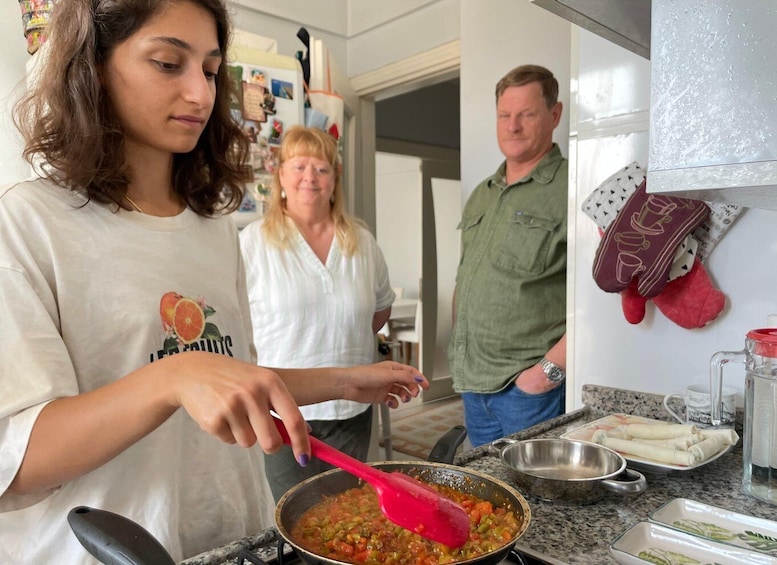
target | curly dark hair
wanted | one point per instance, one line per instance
(68, 121)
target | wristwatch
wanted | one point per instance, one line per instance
(554, 373)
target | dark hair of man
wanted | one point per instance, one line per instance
(68, 121)
(526, 74)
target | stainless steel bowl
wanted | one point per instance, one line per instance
(568, 470)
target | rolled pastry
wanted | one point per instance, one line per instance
(682, 443)
(730, 437)
(599, 435)
(652, 431)
(655, 452)
(707, 448)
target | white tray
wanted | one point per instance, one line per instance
(719, 525)
(586, 431)
(674, 547)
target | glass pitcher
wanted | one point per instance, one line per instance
(760, 431)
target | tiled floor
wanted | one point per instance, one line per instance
(417, 427)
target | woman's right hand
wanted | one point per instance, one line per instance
(232, 399)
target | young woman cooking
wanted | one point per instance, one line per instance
(123, 296)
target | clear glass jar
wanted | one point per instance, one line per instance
(759, 448)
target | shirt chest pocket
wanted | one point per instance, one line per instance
(525, 245)
(469, 228)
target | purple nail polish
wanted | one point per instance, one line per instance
(419, 379)
(303, 460)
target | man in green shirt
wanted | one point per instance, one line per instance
(508, 347)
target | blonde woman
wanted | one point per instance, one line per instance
(318, 290)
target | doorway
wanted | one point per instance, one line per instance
(418, 206)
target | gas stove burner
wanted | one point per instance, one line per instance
(282, 554)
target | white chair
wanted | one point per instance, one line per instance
(385, 331)
(409, 336)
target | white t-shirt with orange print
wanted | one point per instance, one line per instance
(81, 305)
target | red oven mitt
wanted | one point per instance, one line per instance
(641, 242)
(690, 301)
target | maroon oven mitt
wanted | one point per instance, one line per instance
(642, 239)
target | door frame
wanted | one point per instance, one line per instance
(439, 386)
(422, 69)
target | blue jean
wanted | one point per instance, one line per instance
(490, 416)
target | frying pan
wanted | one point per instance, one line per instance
(308, 493)
(567, 470)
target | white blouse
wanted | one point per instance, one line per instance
(309, 314)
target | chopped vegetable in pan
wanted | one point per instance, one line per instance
(350, 527)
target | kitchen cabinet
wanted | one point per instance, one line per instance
(713, 125)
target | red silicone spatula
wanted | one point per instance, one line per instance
(403, 499)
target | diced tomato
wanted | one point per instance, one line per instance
(485, 507)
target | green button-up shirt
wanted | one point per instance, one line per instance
(511, 280)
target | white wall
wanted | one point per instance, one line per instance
(398, 218)
(282, 20)
(494, 40)
(417, 27)
(656, 355)
(363, 35)
(364, 15)
(13, 46)
(327, 15)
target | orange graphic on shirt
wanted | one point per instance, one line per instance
(183, 319)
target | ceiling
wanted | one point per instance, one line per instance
(428, 115)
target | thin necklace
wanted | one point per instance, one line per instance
(131, 201)
(139, 209)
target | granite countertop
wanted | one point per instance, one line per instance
(581, 534)
(572, 534)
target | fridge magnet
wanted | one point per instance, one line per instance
(271, 160)
(35, 19)
(282, 89)
(268, 103)
(251, 129)
(276, 132)
(248, 212)
(248, 204)
(258, 77)
(253, 98)
(236, 98)
(264, 158)
(263, 187)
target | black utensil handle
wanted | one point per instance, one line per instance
(445, 449)
(116, 540)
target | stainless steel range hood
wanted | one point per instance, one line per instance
(624, 22)
(713, 112)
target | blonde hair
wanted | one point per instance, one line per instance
(277, 225)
